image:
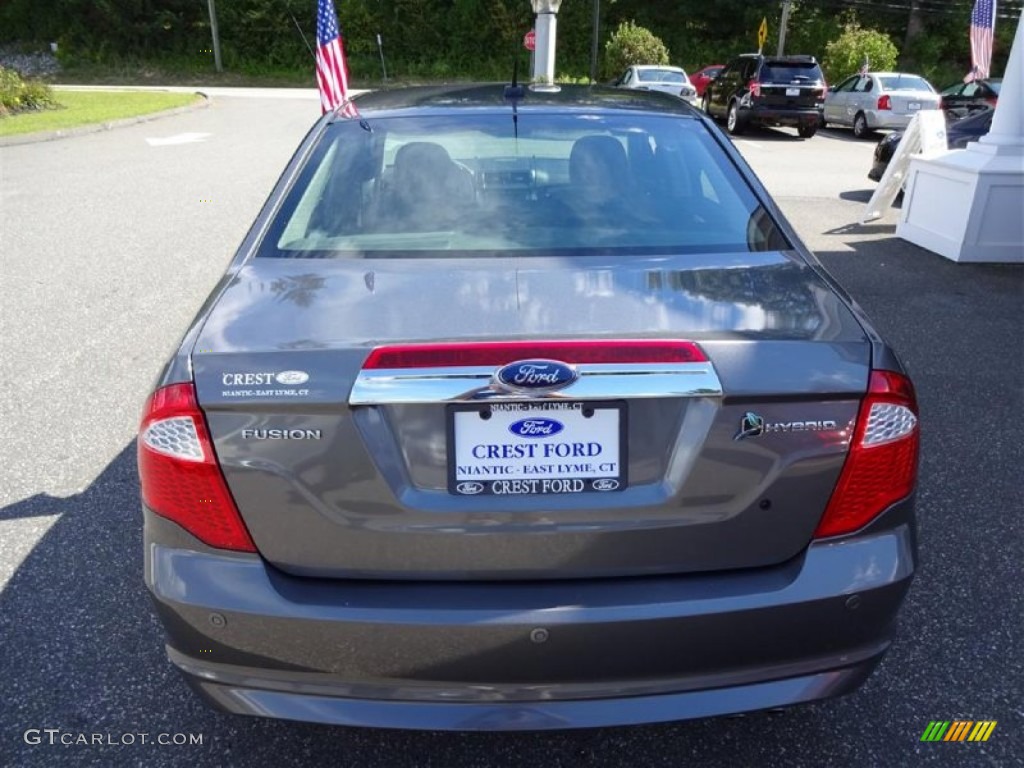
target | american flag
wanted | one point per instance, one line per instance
(983, 25)
(331, 69)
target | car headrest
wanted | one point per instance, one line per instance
(598, 164)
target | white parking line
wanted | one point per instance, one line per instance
(178, 138)
(747, 143)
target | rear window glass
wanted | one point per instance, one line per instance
(660, 76)
(995, 86)
(788, 72)
(905, 83)
(541, 184)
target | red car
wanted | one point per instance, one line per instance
(701, 78)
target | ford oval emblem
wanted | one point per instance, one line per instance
(469, 488)
(535, 427)
(535, 376)
(292, 377)
(605, 484)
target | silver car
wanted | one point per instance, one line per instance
(655, 77)
(526, 410)
(878, 100)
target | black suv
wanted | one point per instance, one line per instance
(768, 90)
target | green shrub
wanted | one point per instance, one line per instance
(845, 55)
(630, 44)
(38, 95)
(17, 95)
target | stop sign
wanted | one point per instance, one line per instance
(530, 40)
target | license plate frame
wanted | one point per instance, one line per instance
(552, 475)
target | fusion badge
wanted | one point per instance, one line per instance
(280, 434)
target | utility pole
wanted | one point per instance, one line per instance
(782, 26)
(216, 35)
(594, 41)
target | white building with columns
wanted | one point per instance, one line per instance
(968, 204)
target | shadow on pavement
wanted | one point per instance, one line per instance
(762, 133)
(841, 134)
(857, 195)
(855, 228)
(81, 647)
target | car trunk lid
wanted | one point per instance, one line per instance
(341, 468)
(910, 102)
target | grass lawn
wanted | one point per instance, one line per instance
(83, 108)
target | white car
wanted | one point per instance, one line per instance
(655, 77)
(878, 100)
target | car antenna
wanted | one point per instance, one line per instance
(514, 93)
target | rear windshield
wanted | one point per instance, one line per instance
(905, 83)
(995, 85)
(789, 72)
(660, 76)
(531, 184)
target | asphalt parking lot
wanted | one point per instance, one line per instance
(109, 242)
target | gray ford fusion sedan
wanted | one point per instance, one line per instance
(526, 409)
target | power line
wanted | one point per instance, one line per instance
(891, 7)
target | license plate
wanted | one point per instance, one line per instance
(520, 449)
(913, 105)
(792, 91)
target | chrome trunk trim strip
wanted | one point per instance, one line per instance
(595, 382)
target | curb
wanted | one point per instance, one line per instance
(67, 133)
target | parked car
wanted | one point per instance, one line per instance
(755, 89)
(962, 99)
(959, 133)
(873, 100)
(705, 75)
(523, 409)
(650, 77)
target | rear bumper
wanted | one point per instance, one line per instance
(508, 656)
(341, 707)
(779, 116)
(887, 119)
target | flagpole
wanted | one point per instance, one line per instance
(383, 66)
(302, 35)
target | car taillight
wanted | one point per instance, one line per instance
(179, 474)
(884, 102)
(447, 355)
(881, 467)
(754, 87)
(992, 102)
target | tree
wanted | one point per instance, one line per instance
(915, 30)
(630, 44)
(846, 54)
